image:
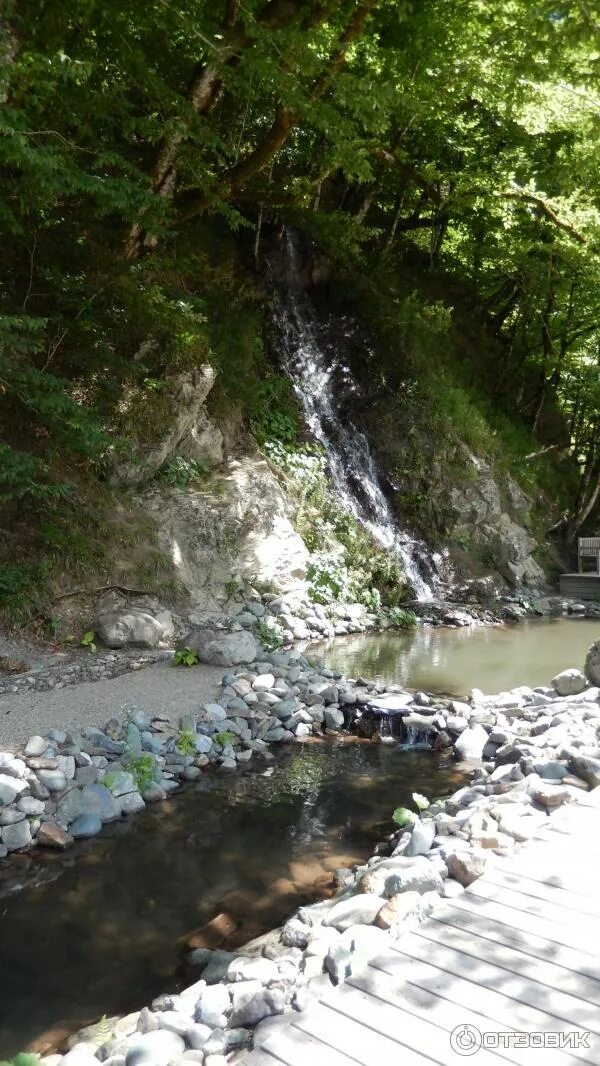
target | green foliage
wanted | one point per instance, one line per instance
(267, 635)
(402, 618)
(143, 767)
(460, 191)
(186, 743)
(185, 657)
(274, 416)
(224, 738)
(362, 572)
(88, 640)
(180, 472)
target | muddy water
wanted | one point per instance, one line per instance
(236, 854)
(453, 661)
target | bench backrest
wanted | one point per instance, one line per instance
(588, 544)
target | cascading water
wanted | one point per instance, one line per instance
(314, 374)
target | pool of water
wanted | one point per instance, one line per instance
(108, 925)
(453, 661)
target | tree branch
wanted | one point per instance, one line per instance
(285, 119)
(547, 211)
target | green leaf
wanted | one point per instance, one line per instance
(402, 816)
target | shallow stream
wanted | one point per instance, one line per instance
(110, 927)
(104, 928)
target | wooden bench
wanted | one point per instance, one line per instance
(588, 548)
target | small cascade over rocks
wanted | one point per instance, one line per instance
(319, 376)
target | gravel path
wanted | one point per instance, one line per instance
(158, 689)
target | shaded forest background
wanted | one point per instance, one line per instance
(443, 161)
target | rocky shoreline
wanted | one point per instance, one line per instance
(532, 750)
(141, 632)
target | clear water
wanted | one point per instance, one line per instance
(319, 376)
(108, 926)
(453, 661)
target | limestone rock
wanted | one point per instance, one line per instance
(397, 909)
(222, 648)
(569, 682)
(466, 866)
(358, 910)
(134, 627)
(153, 1049)
(471, 742)
(592, 664)
(11, 788)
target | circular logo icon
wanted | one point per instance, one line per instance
(465, 1039)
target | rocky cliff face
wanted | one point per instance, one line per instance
(492, 521)
(191, 433)
(238, 530)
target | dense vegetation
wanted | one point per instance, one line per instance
(444, 156)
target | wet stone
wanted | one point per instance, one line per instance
(86, 825)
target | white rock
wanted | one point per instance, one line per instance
(358, 910)
(36, 745)
(569, 682)
(11, 788)
(471, 742)
(152, 1049)
(259, 969)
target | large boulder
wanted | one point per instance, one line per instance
(569, 682)
(592, 664)
(134, 626)
(219, 647)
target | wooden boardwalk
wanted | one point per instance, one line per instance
(519, 952)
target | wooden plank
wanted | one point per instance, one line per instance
(363, 1044)
(502, 933)
(260, 1058)
(538, 865)
(507, 1012)
(526, 923)
(560, 913)
(415, 1032)
(429, 1010)
(540, 889)
(297, 1048)
(511, 958)
(486, 974)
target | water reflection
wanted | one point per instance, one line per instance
(234, 855)
(453, 661)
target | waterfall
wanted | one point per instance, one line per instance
(416, 738)
(386, 731)
(315, 374)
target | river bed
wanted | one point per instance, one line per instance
(110, 930)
